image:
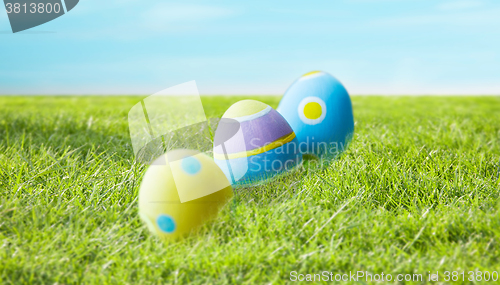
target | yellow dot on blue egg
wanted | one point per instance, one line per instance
(166, 223)
(312, 110)
(191, 165)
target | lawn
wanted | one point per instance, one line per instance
(415, 192)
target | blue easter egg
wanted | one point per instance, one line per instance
(319, 110)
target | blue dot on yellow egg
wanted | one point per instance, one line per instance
(166, 223)
(191, 165)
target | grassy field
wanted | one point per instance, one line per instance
(416, 191)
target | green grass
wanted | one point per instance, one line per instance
(416, 191)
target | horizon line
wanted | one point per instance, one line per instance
(228, 95)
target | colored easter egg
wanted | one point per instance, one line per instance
(180, 191)
(253, 143)
(319, 110)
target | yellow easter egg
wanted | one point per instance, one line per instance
(180, 191)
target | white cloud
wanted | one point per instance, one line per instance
(132, 20)
(459, 18)
(460, 5)
(164, 14)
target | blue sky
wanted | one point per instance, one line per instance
(257, 47)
